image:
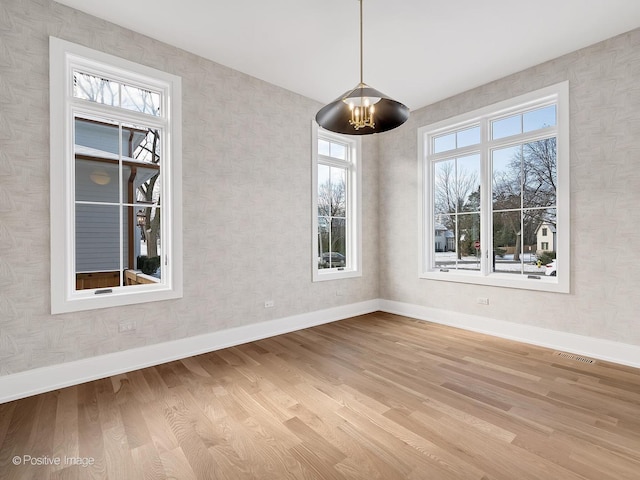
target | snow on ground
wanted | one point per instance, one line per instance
(503, 264)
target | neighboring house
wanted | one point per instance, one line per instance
(99, 253)
(444, 239)
(546, 238)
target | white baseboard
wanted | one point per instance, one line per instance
(46, 379)
(598, 348)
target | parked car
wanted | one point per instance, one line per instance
(550, 268)
(332, 260)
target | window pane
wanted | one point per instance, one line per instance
(332, 211)
(468, 235)
(109, 92)
(149, 220)
(540, 118)
(96, 181)
(324, 147)
(332, 195)
(545, 230)
(96, 160)
(96, 89)
(470, 136)
(546, 236)
(143, 249)
(515, 247)
(324, 190)
(97, 252)
(444, 143)
(467, 186)
(338, 257)
(455, 242)
(539, 173)
(338, 194)
(142, 143)
(506, 127)
(444, 234)
(506, 174)
(145, 147)
(140, 100)
(324, 241)
(530, 222)
(444, 191)
(338, 151)
(506, 242)
(445, 256)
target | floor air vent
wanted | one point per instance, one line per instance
(578, 358)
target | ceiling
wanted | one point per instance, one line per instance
(416, 51)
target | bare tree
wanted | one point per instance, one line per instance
(453, 188)
(456, 192)
(539, 173)
(525, 193)
(332, 198)
(332, 209)
(149, 193)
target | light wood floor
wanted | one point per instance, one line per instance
(373, 397)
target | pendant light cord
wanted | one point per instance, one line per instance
(361, 49)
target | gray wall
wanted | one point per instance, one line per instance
(246, 183)
(605, 193)
(247, 221)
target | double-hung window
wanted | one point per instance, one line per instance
(336, 206)
(115, 181)
(495, 194)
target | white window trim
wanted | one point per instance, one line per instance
(558, 94)
(354, 206)
(63, 57)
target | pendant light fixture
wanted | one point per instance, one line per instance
(362, 110)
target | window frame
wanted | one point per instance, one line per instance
(64, 58)
(557, 94)
(353, 244)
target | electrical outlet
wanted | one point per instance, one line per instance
(124, 327)
(482, 300)
(269, 303)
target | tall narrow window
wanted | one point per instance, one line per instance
(336, 206)
(495, 188)
(115, 181)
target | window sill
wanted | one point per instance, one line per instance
(334, 274)
(120, 296)
(540, 283)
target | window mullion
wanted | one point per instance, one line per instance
(486, 189)
(120, 206)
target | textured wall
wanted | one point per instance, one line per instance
(247, 194)
(605, 192)
(246, 205)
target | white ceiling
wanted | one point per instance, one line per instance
(416, 51)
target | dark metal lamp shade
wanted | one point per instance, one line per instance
(336, 116)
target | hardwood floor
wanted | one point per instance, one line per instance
(372, 397)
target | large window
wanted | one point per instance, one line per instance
(336, 206)
(496, 194)
(115, 181)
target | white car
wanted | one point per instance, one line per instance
(550, 268)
